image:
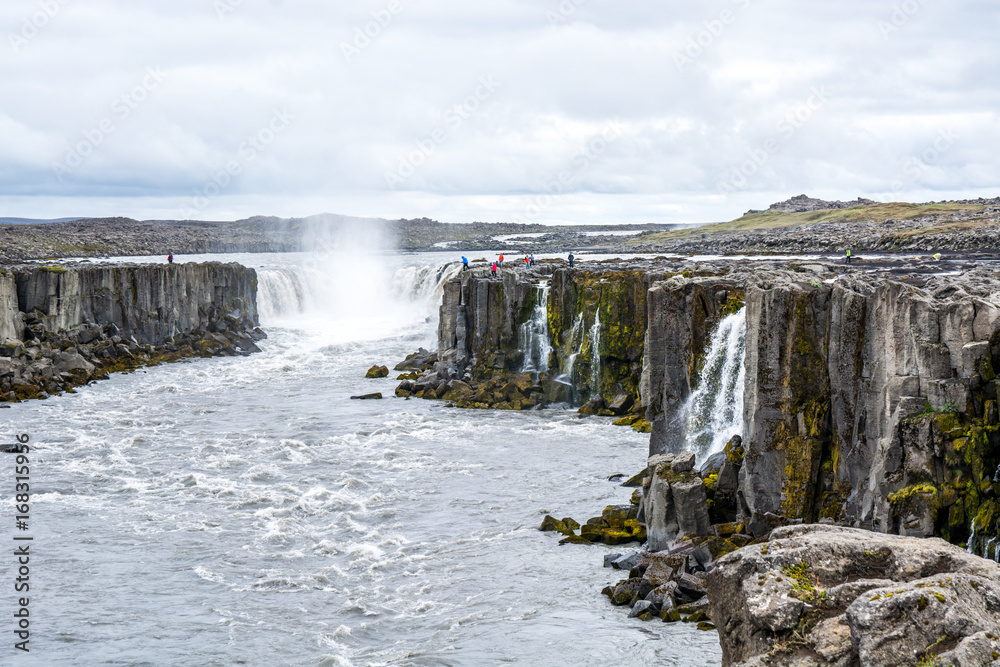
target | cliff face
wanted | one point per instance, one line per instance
(683, 313)
(871, 403)
(870, 397)
(480, 319)
(65, 326)
(593, 320)
(151, 302)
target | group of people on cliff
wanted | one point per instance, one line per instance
(529, 262)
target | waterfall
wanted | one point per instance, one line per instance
(317, 288)
(972, 536)
(595, 353)
(423, 283)
(713, 413)
(534, 334)
(280, 293)
(572, 349)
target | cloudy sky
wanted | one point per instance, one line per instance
(499, 110)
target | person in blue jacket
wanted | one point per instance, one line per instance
(465, 263)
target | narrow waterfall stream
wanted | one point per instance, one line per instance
(534, 334)
(572, 347)
(713, 412)
(595, 354)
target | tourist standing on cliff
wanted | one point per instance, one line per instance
(465, 263)
(848, 255)
(501, 261)
(571, 260)
(532, 260)
(170, 258)
(494, 269)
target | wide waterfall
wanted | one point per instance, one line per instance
(309, 288)
(713, 412)
(534, 334)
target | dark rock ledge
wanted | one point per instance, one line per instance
(62, 327)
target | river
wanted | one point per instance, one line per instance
(245, 511)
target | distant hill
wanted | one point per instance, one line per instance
(35, 221)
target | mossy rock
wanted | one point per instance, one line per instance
(625, 591)
(627, 420)
(614, 537)
(670, 616)
(570, 523)
(408, 376)
(574, 539)
(696, 617)
(377, 372)
(706, 626)
(636, 480)
(719, 547)
(637, 530)
(550, 523)
(642, 426)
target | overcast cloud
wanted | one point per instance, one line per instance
(639, 111)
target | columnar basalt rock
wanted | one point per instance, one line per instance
(596, 325)
(683, 312)
(151, 302)
(64, 326)
(857, 395)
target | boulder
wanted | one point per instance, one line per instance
(592, 407)
(368, 397)
(848, 596)
(618, 400)
(377, 372)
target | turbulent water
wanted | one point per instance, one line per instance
(244, 511)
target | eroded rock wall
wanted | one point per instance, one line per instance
(845, 384)
(151, 302)
(682, 314)
(61, 327)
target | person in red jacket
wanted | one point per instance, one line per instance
(494, 269)
(170, 258)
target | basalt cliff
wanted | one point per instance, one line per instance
(865, 397)
(64, 326)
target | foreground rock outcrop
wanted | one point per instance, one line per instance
(830, 595)
(62, 326)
